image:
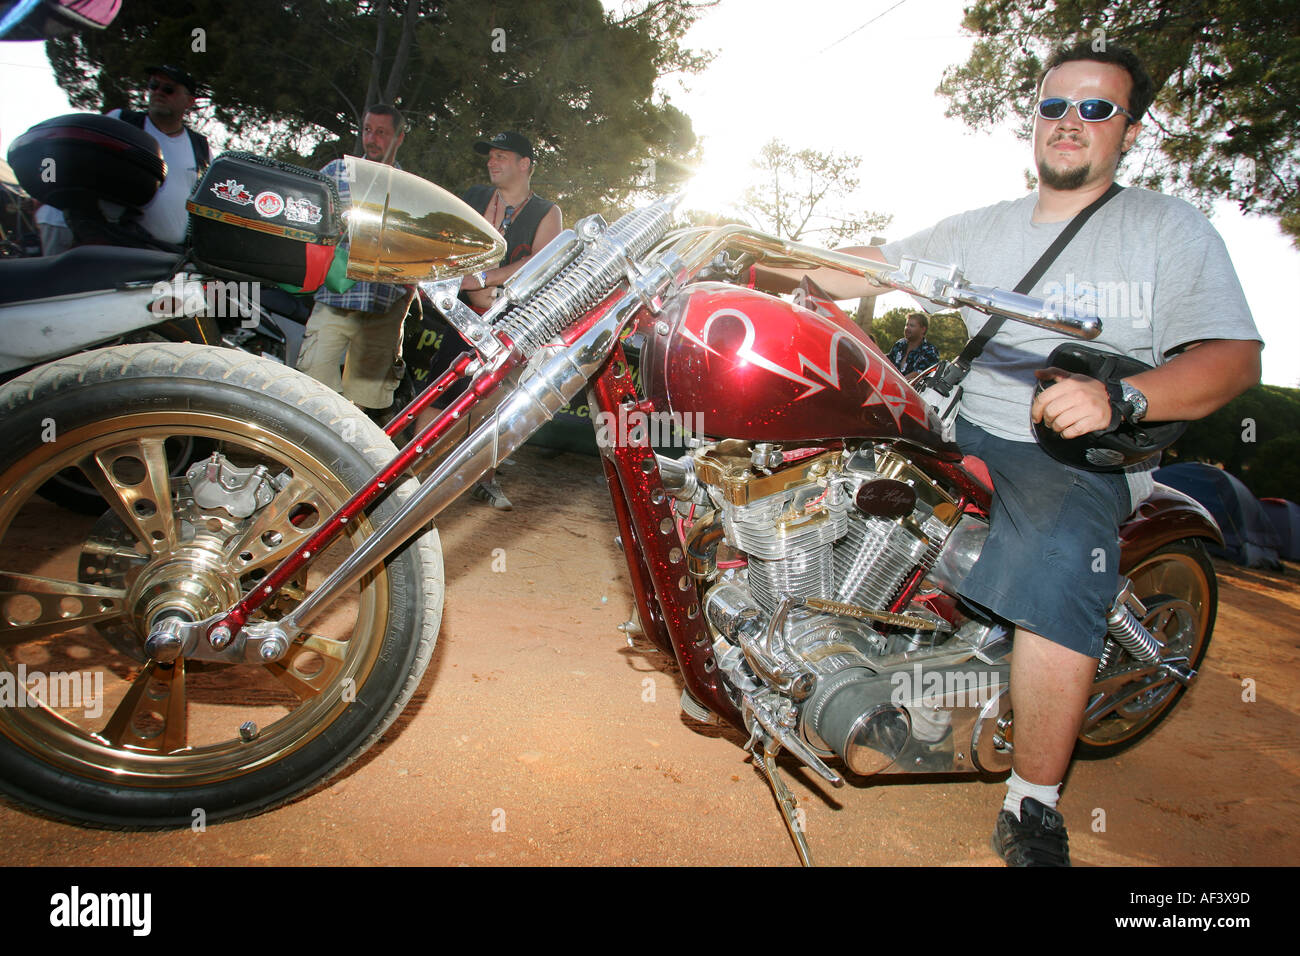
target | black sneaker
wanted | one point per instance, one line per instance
(1038, 838)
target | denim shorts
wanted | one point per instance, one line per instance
(1051, 562)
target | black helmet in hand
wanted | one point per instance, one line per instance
(1122, 442)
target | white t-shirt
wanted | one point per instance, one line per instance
(164, 217)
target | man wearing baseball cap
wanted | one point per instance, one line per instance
(172, 94)
(525, 220)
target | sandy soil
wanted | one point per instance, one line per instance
(539, 737)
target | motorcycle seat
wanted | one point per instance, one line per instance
(83, 269)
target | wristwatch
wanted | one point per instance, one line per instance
(482, 280)
(1136, 400)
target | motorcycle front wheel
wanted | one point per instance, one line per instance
(94, 731)
(1177, 586)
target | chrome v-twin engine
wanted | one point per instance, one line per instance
(802, 560)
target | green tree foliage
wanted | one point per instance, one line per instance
(1225, 120)
(802, 193)
(1254, 437)
(947, 331)
(292, 79)
(1275, 473)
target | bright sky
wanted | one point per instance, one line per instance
(846, 75)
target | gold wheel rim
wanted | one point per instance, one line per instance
(157, 727)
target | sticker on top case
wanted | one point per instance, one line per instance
(269, 204)
(298, 209)
(233, 191)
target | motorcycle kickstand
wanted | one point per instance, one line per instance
(785, 800)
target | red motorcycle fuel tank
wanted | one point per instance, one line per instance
(751, 366)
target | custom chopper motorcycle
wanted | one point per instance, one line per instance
(262, 619)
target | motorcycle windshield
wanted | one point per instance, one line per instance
(404, 229)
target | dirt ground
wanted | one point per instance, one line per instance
(539, 737)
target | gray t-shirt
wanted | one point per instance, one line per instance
(1150, 266)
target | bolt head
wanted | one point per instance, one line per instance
(220, 637)
(802, 686)
(248, 731)
(163, 647)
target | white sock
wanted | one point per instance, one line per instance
(1018, 789)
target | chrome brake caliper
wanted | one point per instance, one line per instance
(216, 483)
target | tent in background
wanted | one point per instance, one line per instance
(1248, 534)
(1285, 516)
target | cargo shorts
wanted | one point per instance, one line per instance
(356, 353)
(1051, 561)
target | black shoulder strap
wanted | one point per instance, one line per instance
(976, 345)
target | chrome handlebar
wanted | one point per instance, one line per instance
(936, 282)
(945, 285)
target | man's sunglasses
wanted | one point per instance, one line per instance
(166, 88)
(1090, 111)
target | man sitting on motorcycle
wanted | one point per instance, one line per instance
(173, 94)
(1050, 563)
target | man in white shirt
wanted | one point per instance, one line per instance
(173, 93)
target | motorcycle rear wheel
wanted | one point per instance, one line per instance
(1177, 585)
(102, 735)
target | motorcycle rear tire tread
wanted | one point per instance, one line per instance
(252, 375)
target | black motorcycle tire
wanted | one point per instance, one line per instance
(1177, 585)
(205, 763)
(69, 488)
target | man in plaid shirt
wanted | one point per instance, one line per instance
(361, 329)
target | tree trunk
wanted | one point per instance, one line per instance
(397, 75)
(866, 313)
(376, 65)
